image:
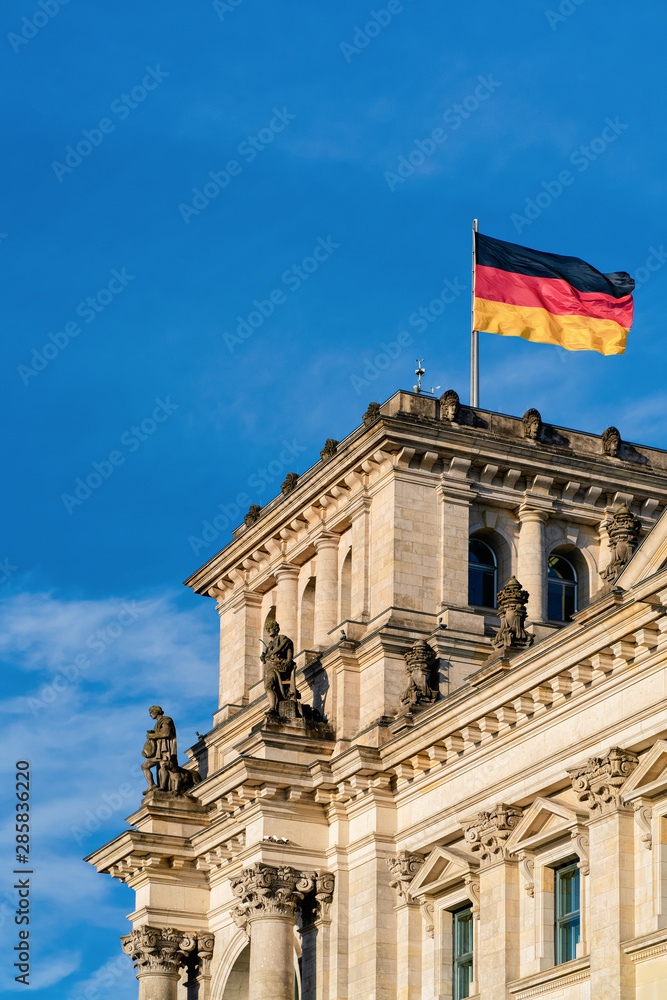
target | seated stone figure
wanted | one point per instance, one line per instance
(279, 677)
(160, 745)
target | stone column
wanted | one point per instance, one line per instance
(455, 530)
(497, 963)
(361, 553)
(158, 954)
(611, 881)
(326, 589)
(268, 901)
(409, 931)
(532, 569)
(287, 601)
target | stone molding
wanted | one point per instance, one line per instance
(487, 833)
(557, 978)
(160, 950)
(268, 891)
(598, 782)
(403, 869)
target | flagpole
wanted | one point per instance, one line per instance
(474, 335)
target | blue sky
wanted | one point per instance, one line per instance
(168, 174)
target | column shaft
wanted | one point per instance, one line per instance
(326, 590)
(611, 904)
(532, 570)
(157, 986)
(499, 941)
(272, 958)
(287, 601)
(361, 542)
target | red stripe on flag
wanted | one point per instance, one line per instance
(555, 295)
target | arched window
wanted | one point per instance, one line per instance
(562, 589)
(482, 574)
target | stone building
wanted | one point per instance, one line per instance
(455, 784)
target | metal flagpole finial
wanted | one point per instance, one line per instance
(419, 372)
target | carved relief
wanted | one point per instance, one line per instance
(291, 479)
(329, 450)
(488, 831)
(371, 414)
(266, 891)
(598, 782)
(643, 815)
(532, 424)
(611, 442)
(421, 690)
(427, 907)
(623, 531)
(161, 949)
(450, 405)
(527, 869)
(512, 601)
(403, 869)
(253, 515)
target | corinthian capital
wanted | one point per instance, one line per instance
(488, 831)
(158, 949)
(265, 891)
(598, 782)
(403, 869)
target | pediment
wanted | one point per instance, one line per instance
(543, 821)
(443, 866)
(650, 776)
(649, 557)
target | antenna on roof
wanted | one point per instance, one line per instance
(419, 372)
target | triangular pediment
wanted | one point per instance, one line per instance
(650, 775)
(443, 866)
(543, 821)
(649, 557)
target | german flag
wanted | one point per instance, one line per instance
(550, 299)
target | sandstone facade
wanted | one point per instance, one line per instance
(448, 793)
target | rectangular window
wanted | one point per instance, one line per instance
(462, 950)
(567, 911)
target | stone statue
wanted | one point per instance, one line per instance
(291, 479)
(419, 663)
(512, 610)
(611, 442)
(279, 672)
(161, 753)
(623, 531)
(532, 424)
(371, 414)
(449, 405)
(252, 515)
(329, 450)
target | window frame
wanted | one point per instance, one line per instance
(563, 585)
(566, 919)
(462, 960)
(482, 569)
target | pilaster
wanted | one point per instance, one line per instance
(326, 588)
